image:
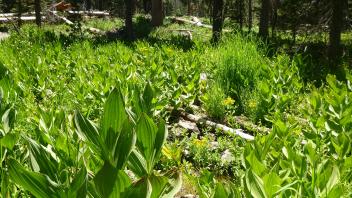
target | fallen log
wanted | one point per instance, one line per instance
(92, 30)
(31, 14)
(90, 13)
(23, 18)
(198, 119)
(196, 23)
(243, 121)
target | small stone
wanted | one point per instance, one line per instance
(189, 196)
(227, 156)
(188, 125)
(214, 145)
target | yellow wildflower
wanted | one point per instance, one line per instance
(229, 101)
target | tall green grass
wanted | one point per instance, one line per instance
(259, 85)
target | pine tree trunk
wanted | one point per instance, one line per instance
(336, 29)
(130, 7)
(264, 19)
(217, 19)
(88, 4)
(250, 14)
(38, 9)
(157, 13)
(274, 19)
(189, 11)
(19, 10)
(146, 6)
(241, 7)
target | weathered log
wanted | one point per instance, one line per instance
(23, 18)
(92, 30)
(196, 23)
(31, 14)
(243, 121)
(198, 119)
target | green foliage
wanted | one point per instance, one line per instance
(259, 86)
(214, 103)
(115, 144)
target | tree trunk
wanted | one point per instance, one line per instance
(146, 6)
(250, 14)
(130, 7)
(38, 9)
(19, 10)
(264, 19)
(157, 13)
(88, 4)
(217, 19)
(274, 19)
(336, 29)
(101, 4)
(241, 8)
(189, 11)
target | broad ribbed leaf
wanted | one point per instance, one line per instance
(113, 118)
(9, 140)
(256, 165)
(160, 140)
(141, 189)
(336, 192)
(254, 185)
(148, 95)
(272, 184)
(146, 134)
(122, 183)
(41, 160)
(88, 132)
(138, 164)
(35, 183)
(174, 185)
(111, 182)
(8, 120)
(78, 187)
(125, 143)
(105, 179)
(159, 185)
(220, 191)
(4, 183)
(333, 180)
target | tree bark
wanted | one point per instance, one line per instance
(241, 8)
(157, 13)
(250, 15)
(88, 4)
(130, 8)
(189, 10)
(38, 16)
(275, 7)
(264, 19)
(19, 10)
(217, 19)
(146, 6)
(336, 29)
